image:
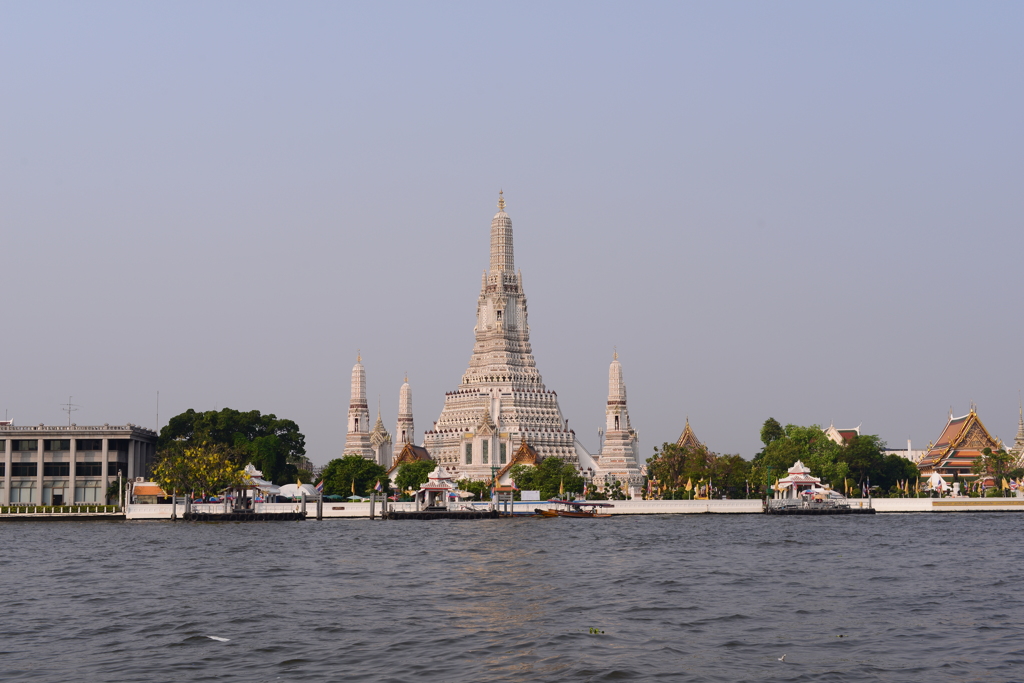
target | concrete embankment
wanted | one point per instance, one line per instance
(622, 507)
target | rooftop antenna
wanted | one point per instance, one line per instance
(158, 410)
(69, 408)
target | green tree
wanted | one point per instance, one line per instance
(412, 474)
(547, 477)
(995, 464)
(272, 445)
(204, 469)
(771, 431)
(808, 444)
(353, 473)
(864, 458)
(482, 488)
(673, 465)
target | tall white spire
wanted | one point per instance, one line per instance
(405, 432)
(620, 450)
(502, 380)
(502, 258)
(357, 440)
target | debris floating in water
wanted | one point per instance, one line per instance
(782, 658)
(218, 639)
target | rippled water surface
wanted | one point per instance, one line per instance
(928, 597)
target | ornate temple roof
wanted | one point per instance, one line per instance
(410, 453)
(688, 439)
(961, 443)
(524, 455)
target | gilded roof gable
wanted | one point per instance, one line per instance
(962, 441)
(688, 439)
(524, 455)
(410, 453)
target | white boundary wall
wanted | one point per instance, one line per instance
(622, 507)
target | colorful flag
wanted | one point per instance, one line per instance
(378, 486)
(320, 487)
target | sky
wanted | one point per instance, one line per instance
(806, 211)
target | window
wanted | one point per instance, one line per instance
(502, 456)
(89, 445)
(114, 467)
(616, 423)
(88, 469)
(24, 469)
(484, 454)
(24, 445)
(56, 469)
(469, 454)
(89, 493)
(57, 445)
(119, 445)
(499, 315)
(3, 469)
(23, 491)
(3, 445)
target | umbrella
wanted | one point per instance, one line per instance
(355, 498)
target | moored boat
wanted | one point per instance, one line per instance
(581, 508)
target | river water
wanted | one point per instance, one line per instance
(915, 597)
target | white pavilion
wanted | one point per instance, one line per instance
(796, 482)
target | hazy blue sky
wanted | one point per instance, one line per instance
(811, 211)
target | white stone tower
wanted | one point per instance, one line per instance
(620, 451)
(357, 441)
(501, 401)
(405, 432)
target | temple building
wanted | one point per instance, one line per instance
(842, 436)
(357, 441)
(502, 401)
(620, 452)
(961, 443)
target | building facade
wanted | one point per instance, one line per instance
(502, 401)
(65, 465)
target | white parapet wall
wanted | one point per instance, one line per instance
(621, 507)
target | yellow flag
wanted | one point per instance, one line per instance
(353, 486)
(1005, 485)
(561, 487)
(689, 484)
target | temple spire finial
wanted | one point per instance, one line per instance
(359, 356)
(501, 200)
(615, 353)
